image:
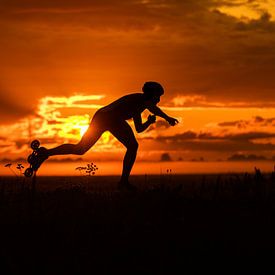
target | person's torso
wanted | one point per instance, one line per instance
(125, 107)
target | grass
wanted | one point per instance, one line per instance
(173, 224)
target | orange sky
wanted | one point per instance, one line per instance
(62, 60)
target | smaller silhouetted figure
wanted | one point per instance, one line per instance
(113, 118)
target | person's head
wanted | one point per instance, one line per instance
(153, 91)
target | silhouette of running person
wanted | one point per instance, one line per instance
(113, 118)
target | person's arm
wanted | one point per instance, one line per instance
(140, 127)
(158, 112)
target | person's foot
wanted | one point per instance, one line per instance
(42, 155)
(125, 185)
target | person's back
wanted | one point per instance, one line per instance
(125, 107)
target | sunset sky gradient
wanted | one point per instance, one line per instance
(62, 60)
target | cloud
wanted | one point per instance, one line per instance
(247, 10)
(243, 157)
(190, 45)
(165, 157)
(192, 100)
(256, 121)
(237, 123)
(12, 109)
(206, 141)
(264, 121)
(187, 100)
(50, 107)
(191, 135)
(264, 23)
(51, 126)
(158, 125)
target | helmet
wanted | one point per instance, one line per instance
(152, 88)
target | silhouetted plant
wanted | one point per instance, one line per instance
(91, 168)
(8, 165)
(169, 175)
(80, 169)
(20, 167)
(258, 175)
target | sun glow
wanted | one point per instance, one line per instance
(83, 129)
(60, 119)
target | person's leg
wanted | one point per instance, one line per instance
(123, 132)
(87, 141)
(91, 136)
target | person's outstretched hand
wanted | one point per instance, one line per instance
(151, 119)
(172, 121)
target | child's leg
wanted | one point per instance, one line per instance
(87, 141)
(123, 132)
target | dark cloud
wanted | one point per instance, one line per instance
(220, 146)
(243, 157)
(217, 143)
(58, 47)
(265, 121)
(256, 121)
(260, 119)
(12, 109)
(237, 123)
(264, 23)
(190, 135)
(249, 136)
(201, 159)
(165, 157)
(160, 124)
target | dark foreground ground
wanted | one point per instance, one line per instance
(171, 225)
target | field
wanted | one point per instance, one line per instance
(173, 224)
